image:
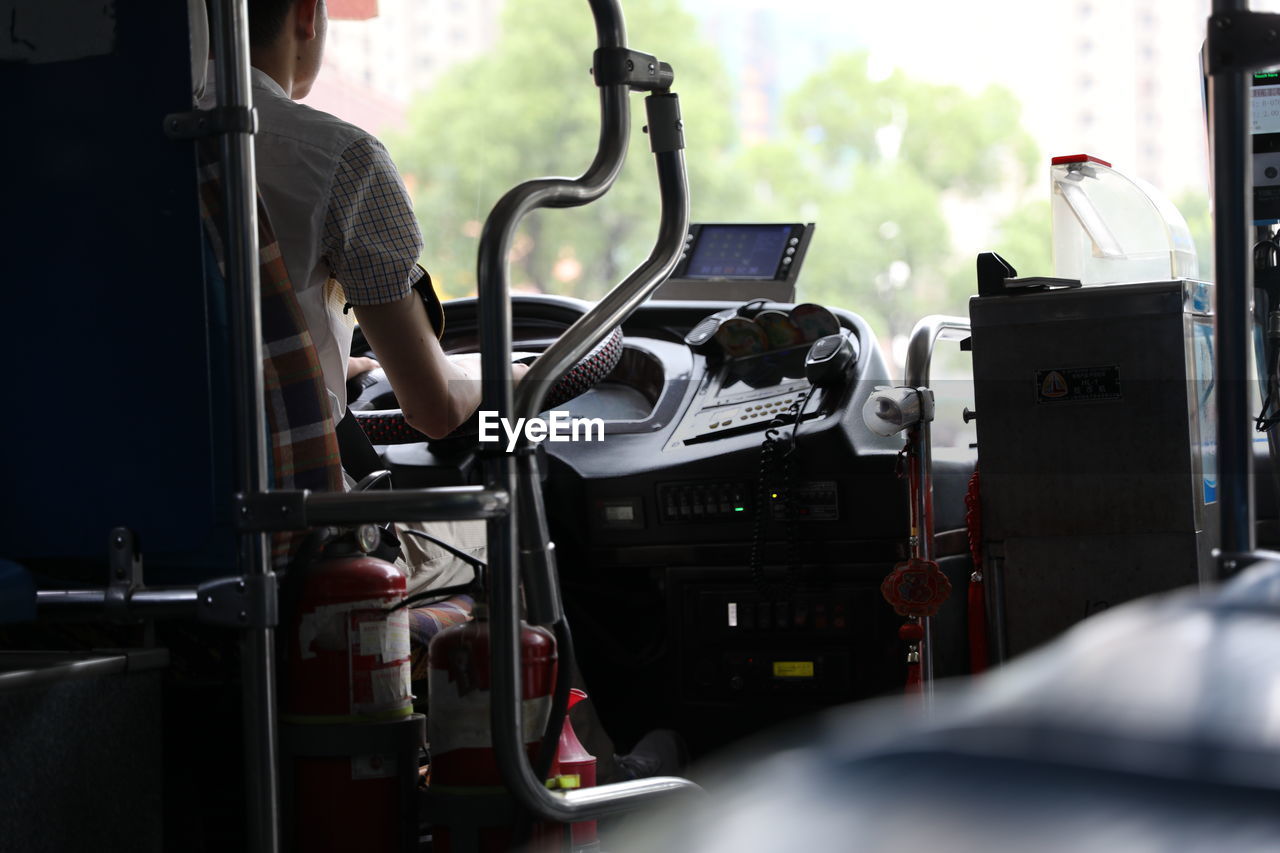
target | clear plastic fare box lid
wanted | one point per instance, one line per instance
(1109, 227)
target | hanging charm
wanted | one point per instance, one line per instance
(916, 588)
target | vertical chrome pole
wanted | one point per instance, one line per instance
(1233, 217)
(924, 537)
(924, 337)
(231, 68)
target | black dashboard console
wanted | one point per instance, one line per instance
(698, 591)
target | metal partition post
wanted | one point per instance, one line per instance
(1233, 215)
(924, 336)
(500, 469)
(541, 585)
(620, 302)
(507, 720)
(231, 68)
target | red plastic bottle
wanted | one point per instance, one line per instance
(576, 768)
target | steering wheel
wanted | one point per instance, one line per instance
(375, 408)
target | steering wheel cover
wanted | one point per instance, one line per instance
(590, 370)
(388, 426)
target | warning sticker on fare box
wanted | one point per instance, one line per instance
(1078, 384)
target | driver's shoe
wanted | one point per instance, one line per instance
(662, 752)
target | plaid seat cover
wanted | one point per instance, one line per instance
(303, 444)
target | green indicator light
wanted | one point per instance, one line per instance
(738, 509)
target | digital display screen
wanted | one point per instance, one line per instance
(764, 370)
(738, 251)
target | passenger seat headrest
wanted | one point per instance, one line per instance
(199, 29)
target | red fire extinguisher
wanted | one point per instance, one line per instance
(348, 665)
(462, 757)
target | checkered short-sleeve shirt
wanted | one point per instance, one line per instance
(370, 238)
(340, 213)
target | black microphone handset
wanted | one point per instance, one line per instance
(830, 359)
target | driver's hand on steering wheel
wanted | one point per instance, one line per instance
(470, 363)
(358, 364)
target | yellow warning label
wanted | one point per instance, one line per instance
(793, 669)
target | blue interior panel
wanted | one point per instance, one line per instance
(115, 416)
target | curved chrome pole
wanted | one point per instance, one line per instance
(620, 302)
(925, 335)
(500, 468)
(493, 285)
(504, 590)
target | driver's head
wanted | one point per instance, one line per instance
(286, 40)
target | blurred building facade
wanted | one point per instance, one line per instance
(379, 54)
(411, 42)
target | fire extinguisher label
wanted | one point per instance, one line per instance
(391, 686)
(462, 722)
(372, 636)
(387, 640)
(326, 628)
(380, 667)
(395, 641)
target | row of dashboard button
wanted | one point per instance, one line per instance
(782, 616)
(766, 409)
(684, 502)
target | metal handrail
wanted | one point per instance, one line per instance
(440, 503)
(240, 201)
(1228, 98)
(501, 468)
(925, 335)
(171, 603)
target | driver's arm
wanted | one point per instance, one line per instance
(371, 243)
(436, 393)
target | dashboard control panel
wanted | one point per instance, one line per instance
(726, 500)
(746, 394)
(734, 500)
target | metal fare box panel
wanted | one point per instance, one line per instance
(1096, 443)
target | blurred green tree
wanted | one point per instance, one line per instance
(894, 170)
(907, 179)
(528, 109)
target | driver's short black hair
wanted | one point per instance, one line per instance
(266, 20)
